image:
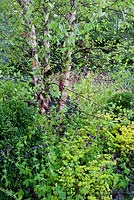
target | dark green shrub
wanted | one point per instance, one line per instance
(15, 119)
(122, 100)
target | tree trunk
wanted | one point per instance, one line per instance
(31, 37)
(65, 81)
(36, 68)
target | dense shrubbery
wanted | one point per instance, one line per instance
(78, 157)
(120, 101)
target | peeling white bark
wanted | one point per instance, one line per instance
(65, 82)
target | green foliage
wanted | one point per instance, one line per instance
(124, 99)
(87, 159)
(87, 151)
(121, 101)
(15, 118)
(103, 36)
(113, 130)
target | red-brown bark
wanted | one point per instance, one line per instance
(65, 81)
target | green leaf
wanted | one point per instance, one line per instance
(20, 194)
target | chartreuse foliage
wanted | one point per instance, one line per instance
(94, 155)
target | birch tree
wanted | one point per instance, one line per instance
(67, 56)
(32, 40)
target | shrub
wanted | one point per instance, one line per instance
(15, 119)
(120, 101)
(116, 137)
